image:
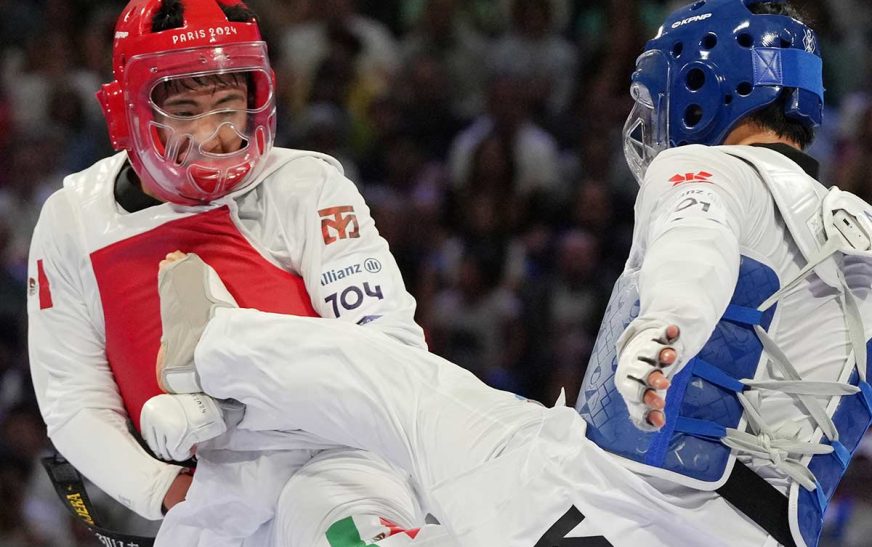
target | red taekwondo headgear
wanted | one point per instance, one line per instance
(171, 163)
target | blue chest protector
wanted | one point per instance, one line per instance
(702, 401)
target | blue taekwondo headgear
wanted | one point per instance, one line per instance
(711, 64)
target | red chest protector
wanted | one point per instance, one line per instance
(126, 274)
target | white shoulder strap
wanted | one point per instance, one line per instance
(798, 198)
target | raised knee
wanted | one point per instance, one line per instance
(363, 530)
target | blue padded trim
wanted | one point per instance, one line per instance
(700, 428)
(841, 453)
(713, 374)
(809, 515)
(788, 68)
(674, 397)
(744, 315)
(821, 497)
(852, 418)
(866, 392)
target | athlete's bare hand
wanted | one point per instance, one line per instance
(643, 374)
(178, 490)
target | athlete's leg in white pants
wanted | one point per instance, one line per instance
(493, 468)
(336, 497)
(346, 497)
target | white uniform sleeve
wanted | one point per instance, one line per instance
(348, 268)
(77, 394)
(693, 206)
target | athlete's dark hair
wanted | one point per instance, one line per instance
(171, 15)
(772, 116)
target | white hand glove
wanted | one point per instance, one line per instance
(650, 350)
(173, 425)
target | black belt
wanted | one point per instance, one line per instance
(760, 501)
(745, 490)
(71, 489)
(555, 536)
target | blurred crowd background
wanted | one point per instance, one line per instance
(486, 136)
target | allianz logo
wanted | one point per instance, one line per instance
(370, 265)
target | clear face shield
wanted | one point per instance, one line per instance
(202, 134)
(646, 131)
